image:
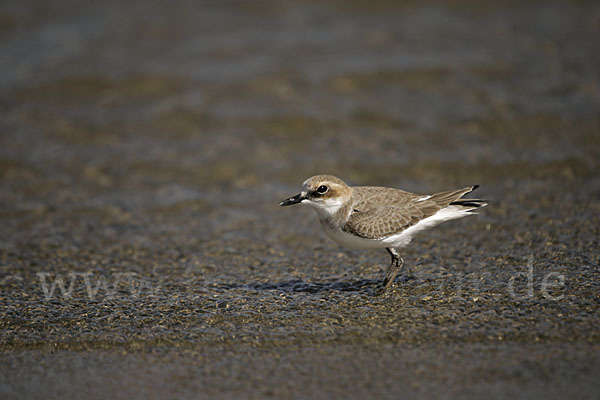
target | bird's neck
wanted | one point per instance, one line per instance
(337, 218)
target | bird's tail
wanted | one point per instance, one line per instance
(472, 204)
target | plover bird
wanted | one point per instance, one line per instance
(370, 217)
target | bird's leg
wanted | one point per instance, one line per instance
(395, 267)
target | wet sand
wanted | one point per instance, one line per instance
(144, 150)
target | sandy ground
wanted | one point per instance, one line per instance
(145, 147)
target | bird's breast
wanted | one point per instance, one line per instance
(346, 239)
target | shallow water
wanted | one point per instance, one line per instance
(145, 147)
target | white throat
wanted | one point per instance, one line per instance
(326, 208)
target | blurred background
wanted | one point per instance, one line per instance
(157, 138)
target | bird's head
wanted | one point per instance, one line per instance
(325, 193)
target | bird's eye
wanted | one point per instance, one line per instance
(322, 189)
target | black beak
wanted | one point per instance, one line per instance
(293, 200)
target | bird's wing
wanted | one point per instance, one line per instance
(380, 212)
(388, 220)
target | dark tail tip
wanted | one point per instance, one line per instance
(468, 203)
